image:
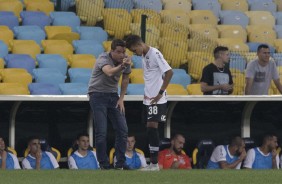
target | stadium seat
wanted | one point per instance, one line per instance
(33, 18)
(264, 18)
(278, 45)
(232, 31)
(2, 64)
(278, 59)
(202, 153)
(112, 154)
(137, 61)
(196, 62)
(117, 22)
(57, 14)
(203, 17)
(43, 89)
(65, 19)
(90, 12)
(152, 33)
(20, 61)
(207, 30)
(155, 5)
(55, 61)
(3, 49)
(176, 89)
(194, 89)
(279, 5)
(261, 34)
(46, 7)
(175, 17)
(237, 5)
(48, 76)
(61, 47)
(16, 75)
(239, 83)
(6, 35)
(136, 76)
(176, 31)
(29, 47)
(92, 33)
(88, 47)
(153, 18)
(61, 33)
(74, 88)
(80, 75)
(30, 33)
(8, 19)
(249, 143)
(233, 44)
(169, 47)
(180, 78)
(120, 4)
(201, 44)
(278, 17)
(11, 150)
(82, 61)
(67, 5)
(13, 89)
(213, 6)
(135, 89)
(231, 17)
(263, 6)
(178, 5)
(13, 6)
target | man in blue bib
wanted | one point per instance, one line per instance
(83, 158)
(228, 156)
(265, 156)
(7, 159)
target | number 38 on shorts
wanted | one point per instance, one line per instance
(155, 113)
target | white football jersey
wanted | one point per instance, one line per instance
(154, 66)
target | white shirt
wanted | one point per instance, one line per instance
(154, 66)
(15, 159)
(26, 164)
(72, 163)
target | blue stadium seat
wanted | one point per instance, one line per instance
(122, 4)
(88, 47)
(35, 18)
(262, 6)
(52, 61)
(74, 88)
(80, 75)
(137, 61)
(43, 89)
(278, 17)
(20, 61)
(277, 58)
(8, 19)
(179, 71)
(180, 78)
(65, 4)
(135, 89)
(3, 49)
(65, 19)
(232, 17)
(253, 46)
(48, 76)
(148, 4)
(212, 5)
(278, 29)
(239, 64)
(30, 33)
(92, 33)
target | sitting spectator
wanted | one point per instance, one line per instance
(173, 157)
(134, 160)
(84, 157)
(260, 72)
(228, 156)
(38, 159)
(265, 156)
(216, 78)
(7, 159)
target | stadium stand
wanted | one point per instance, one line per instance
(43, 89)
(202, 153)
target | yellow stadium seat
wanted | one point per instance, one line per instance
(117, 22)
(54, 151)
(239, 83)
(46, 7)
(194, 89)
(82, 61)
(178, 32)
(196, 62)
(206, 30)
(250, 56)
(264, 18)
(13, 89)
(112, 154)
(175, 17)
(202, 44)
(61, 33)
(16, 75)
(233, 44)
(90, 12)
(176, 89)
(1, 63)
(202, 17)
(107, 47)
(234, 70)
(29, 47)
(261, 34)
(239, 5)
(61, 47)
(169, 47)
(178, 5)
(152, 34)
(153, 17)
(232, 31)
(136, 76)
(279, 5)
(278, 45)
(14, 6)
(26, 2)
(6, 35)
(11, 150)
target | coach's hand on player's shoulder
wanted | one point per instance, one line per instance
(120, 105)
(156, 99)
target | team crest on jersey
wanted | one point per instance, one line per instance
(163, 117)
(147, 57)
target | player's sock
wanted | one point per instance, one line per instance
(153, 135)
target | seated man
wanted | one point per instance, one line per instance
(228, 156)
(83, 157)
(134, 160)
(265, 156)
(38, 159)
(7, 159)
(173, 157)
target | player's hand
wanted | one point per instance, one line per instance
(120, 105)
(226, 87)
(155, 99)
(175, 164)
(243, 155)
(38, 155)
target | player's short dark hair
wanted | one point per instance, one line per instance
(83, 134)
(265, 46)
(132, 40)
(236, 141)
(174, 137)
(219, 49)
(268, 136)
(116, 43)
(31, 138)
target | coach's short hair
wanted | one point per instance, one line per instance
(116, 43)
(132, 40)
(219, 49)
